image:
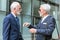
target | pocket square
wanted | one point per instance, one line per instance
(45, 23)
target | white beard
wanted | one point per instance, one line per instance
(40, 14)
(18, 13)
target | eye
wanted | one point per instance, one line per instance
(20, 8)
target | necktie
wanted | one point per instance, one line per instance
(17, 20)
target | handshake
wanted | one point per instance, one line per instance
(32, 30)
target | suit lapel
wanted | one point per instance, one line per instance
(46, 19)
(15, 21)
(13, 18)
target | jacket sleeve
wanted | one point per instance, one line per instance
(49, 29)
(6, 26)
(31, 26)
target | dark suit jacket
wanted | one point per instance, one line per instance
(11, 28)
(44, 29)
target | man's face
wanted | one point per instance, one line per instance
(18, 9)
(41, 11)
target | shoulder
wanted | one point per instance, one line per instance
(51, 17)
(7, 17)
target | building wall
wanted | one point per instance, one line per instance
(29, 10)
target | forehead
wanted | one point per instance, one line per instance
(41, 7)
(19, 5)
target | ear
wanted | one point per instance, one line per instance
(14, 8)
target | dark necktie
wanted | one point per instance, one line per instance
(17, 20)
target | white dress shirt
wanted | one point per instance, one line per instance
(44, 18)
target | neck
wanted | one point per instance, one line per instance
(44, 15)
(14, 13)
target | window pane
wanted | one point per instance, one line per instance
(26, 6)
(55, 1)
(19, 0)
(0, 4)
(35, 7)
(3, 5)
(56, 14)
(26, 33)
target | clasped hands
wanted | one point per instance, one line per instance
(32, 30)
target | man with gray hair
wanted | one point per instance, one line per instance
(45, 26)
(11, 26)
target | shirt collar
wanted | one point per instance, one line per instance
(13, 14)
(44, 18)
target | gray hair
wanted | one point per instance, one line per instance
(46, 7)
(14, 5)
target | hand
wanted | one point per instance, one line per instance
(26, 24)
(32, 30)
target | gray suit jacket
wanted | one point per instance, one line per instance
(45, 29)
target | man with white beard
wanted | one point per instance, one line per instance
(46, 25)
(11, 26)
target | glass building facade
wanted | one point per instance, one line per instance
(30, 14)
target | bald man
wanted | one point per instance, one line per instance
(45, 26)
(11, 26)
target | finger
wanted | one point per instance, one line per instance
(23, 25)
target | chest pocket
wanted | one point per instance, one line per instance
(44, 25)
